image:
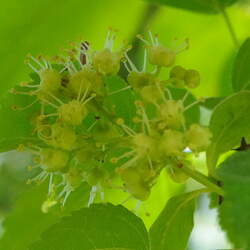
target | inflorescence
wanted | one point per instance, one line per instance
(72, 91)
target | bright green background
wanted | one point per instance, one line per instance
(45, 26)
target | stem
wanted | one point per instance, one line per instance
(203, 179)
(229, 25)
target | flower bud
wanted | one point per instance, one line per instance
(172, 113)
(172, 143)
(150, 94)
(198, 138)
(54, 160)
(143, 144)
(107, 62)
(161, 56)
(72, 112)
(192, 78)
(62, 136)
(95, 176)
(50, 81)
(178, 72)
(74, 177)
(138, 80)
(134, 183)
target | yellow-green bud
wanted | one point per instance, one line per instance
(178, 72)
(172, 113)
(107, 62)
(54, 160)
(95, 176)
(74, 177)
(161, 56)
(50, 82)
(192, 78)
(134, 183)
(72, 112)
(172, 143)
(151, 94)
(138, 80)
(198, 138)
(62, 136)
(143, 144)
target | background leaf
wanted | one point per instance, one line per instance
(229, 123)
(98, 227)
(241, 73)
(174, 225)
(207, 6)
(234, 213)
(15, 126)
(26, 222)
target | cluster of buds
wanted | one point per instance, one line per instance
(81, 139)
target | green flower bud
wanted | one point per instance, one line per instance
(192, 78)
(50, 80)
(96, 175)
(172, 143)
(72, 112)
(161, 56)
(151, 94)
(143, 144)
(178, 72)
(172, 113)
(198, 138)
(62, 136)
(107, 62)
(84, 81)
(138, 80)
(134, 183)
(54, 160)
(74, 177)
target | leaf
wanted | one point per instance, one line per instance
(26, 222)
(98, 227)
(229, 123)
(172, 228)
(241, 73)
(234, 213)
(207, 6)
(123, 100)
(211, 102)
(15, 126)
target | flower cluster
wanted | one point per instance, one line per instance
(82, 139)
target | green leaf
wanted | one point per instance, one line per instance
(15, 126)
(26, 222)
(98, 227)
(241, 73)
(234, 212)
(172, 228)
(211, 102)
(229, 123)
(207, 6)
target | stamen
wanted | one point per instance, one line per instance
(51, 104)
(185, 96)
(92, 195)
(56, 98)
(193, 104)
(131, 64)
(25, 107)
(144, 61)
(119, 90)
(169, 94)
